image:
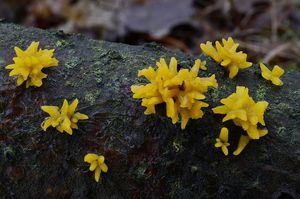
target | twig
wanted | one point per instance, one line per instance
(265, 50)
(276, 51)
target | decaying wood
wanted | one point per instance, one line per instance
(148, 156)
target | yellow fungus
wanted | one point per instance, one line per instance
(226, 54)
(244, 140)
(96, 164)
(28, 64)
(222, 141)
(244, 112)
(273, 75)
(63, 119)
(202, 64)
(181, 91)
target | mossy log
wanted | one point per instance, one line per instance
(148, 156)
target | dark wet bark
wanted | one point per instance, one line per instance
(148, 157)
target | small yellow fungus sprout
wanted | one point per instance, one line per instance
(181, 91)
(96, 164)
(244, 140)
(244, 112)
(273, 75)
(28, 64)
(222, 141)
(203, 65)
(227, 55)
(64, 119)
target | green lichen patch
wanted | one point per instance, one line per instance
(282, 106)
(72, 63)
(260, 93)
(98, 72)
(61, 43)
(281, 131)
(91, 97)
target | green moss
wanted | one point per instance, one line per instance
(75, 85)
(72, 63)
(100, 52)
(215, 95)
(112, 54)
(260, 93)
(61, 43)
(98, 72)
(283, 106)
(92, 97)
(186, 63)
(98, 49)
(281, 131)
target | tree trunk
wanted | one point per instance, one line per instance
(147, 156)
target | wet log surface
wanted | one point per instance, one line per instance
(148, 156)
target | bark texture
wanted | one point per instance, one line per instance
(148, 156)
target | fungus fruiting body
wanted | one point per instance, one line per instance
(181, 91)
(274, 75)
(222, 141)
(96, 164)
(28, 64)
(244, 112)
(64, 118)
(227, 55)
(202, 65)
(244, 140)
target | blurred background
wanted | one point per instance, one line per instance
(267, 30)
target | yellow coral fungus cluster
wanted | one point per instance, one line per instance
(274, 75)
(96, 164)
(244, 112)
(28, 65)
(227, 55)
(182, 90)
(222, 141)
(64, 119)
